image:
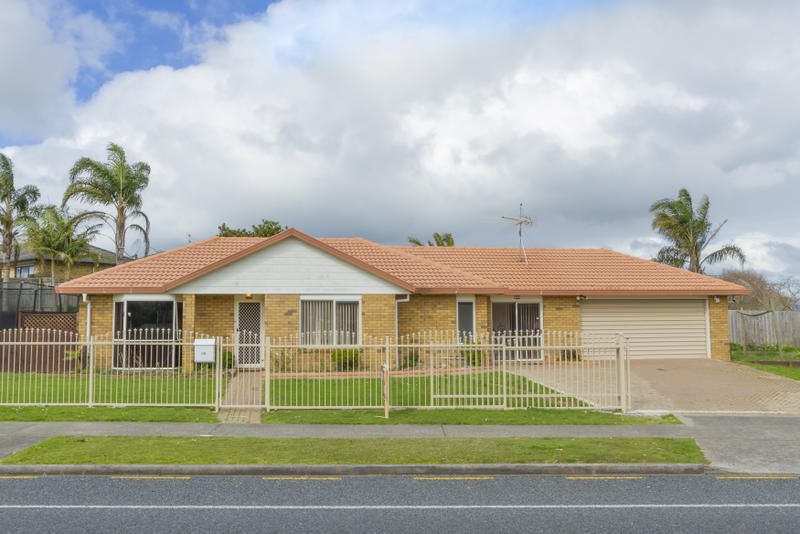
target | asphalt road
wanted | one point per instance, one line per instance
(400, 504)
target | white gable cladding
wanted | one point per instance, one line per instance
(289, 267)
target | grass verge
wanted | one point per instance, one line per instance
(788, 372)
(98, 413)
(460, 417)
(223, 450)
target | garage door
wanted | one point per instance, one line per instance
(655, 328)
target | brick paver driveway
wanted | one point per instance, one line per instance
(707, 385)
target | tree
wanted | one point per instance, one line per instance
(771, 296)
(117, 184)
(439, 240)
(61, 236)
(15, 206)
(690, 233)
(265, 228)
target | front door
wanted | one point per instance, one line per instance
(249, 324)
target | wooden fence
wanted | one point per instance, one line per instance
(746, 327)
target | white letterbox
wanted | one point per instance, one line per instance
(204, 351)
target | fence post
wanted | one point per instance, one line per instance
(387, 386)
(430, 365)
(90, 347)
(505, 378)
(218, 373)
(267, 367)
(622, 384)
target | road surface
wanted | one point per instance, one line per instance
(723, 503)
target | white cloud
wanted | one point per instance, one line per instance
(42, 47)
(365, 118)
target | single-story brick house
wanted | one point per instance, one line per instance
(295, 284)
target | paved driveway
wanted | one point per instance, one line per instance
(704, 385)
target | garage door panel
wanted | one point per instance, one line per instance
(655, 328)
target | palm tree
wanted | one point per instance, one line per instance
(115, 183)
(61, 236)
(15, 206)
(439, 240)
(690, 232)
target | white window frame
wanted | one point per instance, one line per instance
(137, 297)
(333, 299)
(471, 300)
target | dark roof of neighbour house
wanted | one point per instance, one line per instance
(104, 257)
(431, 270)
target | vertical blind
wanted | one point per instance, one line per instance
(328, 322)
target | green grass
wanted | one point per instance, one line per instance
(224, 450)
(135, 414)
(457, 416)
(163, 387)
(789, 354)
(414, 391)
(788, 372)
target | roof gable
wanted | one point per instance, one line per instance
(290, 266)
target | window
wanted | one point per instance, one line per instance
(465, 319)
(25, 271)
(329, 322)
(144, 325)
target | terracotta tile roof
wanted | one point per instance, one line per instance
(570, 271)
(424, 269)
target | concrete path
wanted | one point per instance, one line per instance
(702, 385)
(751, 444)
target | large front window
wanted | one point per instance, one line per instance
(329, 322)
(147, 328)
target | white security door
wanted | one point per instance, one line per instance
(655, 328)
(249, 325)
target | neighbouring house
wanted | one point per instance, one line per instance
(293, 284)
(29, 264)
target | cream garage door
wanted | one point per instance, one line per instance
(655, 328)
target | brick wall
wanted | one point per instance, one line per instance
(483, 314)
(561, 314)
(102, 325)
(282, 315)
(213, 315)
(377, 317)
(718, 327)
(425, 313)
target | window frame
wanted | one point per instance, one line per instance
(460, 299)
(124, 299)
(29, 269)
(333, 299)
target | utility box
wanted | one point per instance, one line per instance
(204, 351)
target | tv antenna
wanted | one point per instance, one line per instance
(520, 221)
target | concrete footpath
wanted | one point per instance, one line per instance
(745, 444)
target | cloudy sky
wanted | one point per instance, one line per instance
(384, 119)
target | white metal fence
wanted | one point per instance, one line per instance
(559, 370)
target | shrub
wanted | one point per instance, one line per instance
(472, 353)
(409, 359)
(346, 359)
(735, 347)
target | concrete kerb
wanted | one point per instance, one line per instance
(350, 470)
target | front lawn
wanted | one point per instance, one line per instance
(143, 387)
(763, 353)
(473, 389)
(788, 372)
(224, 450)
(460, 417)
(137, 414)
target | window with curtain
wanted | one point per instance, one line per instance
(328, 322)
